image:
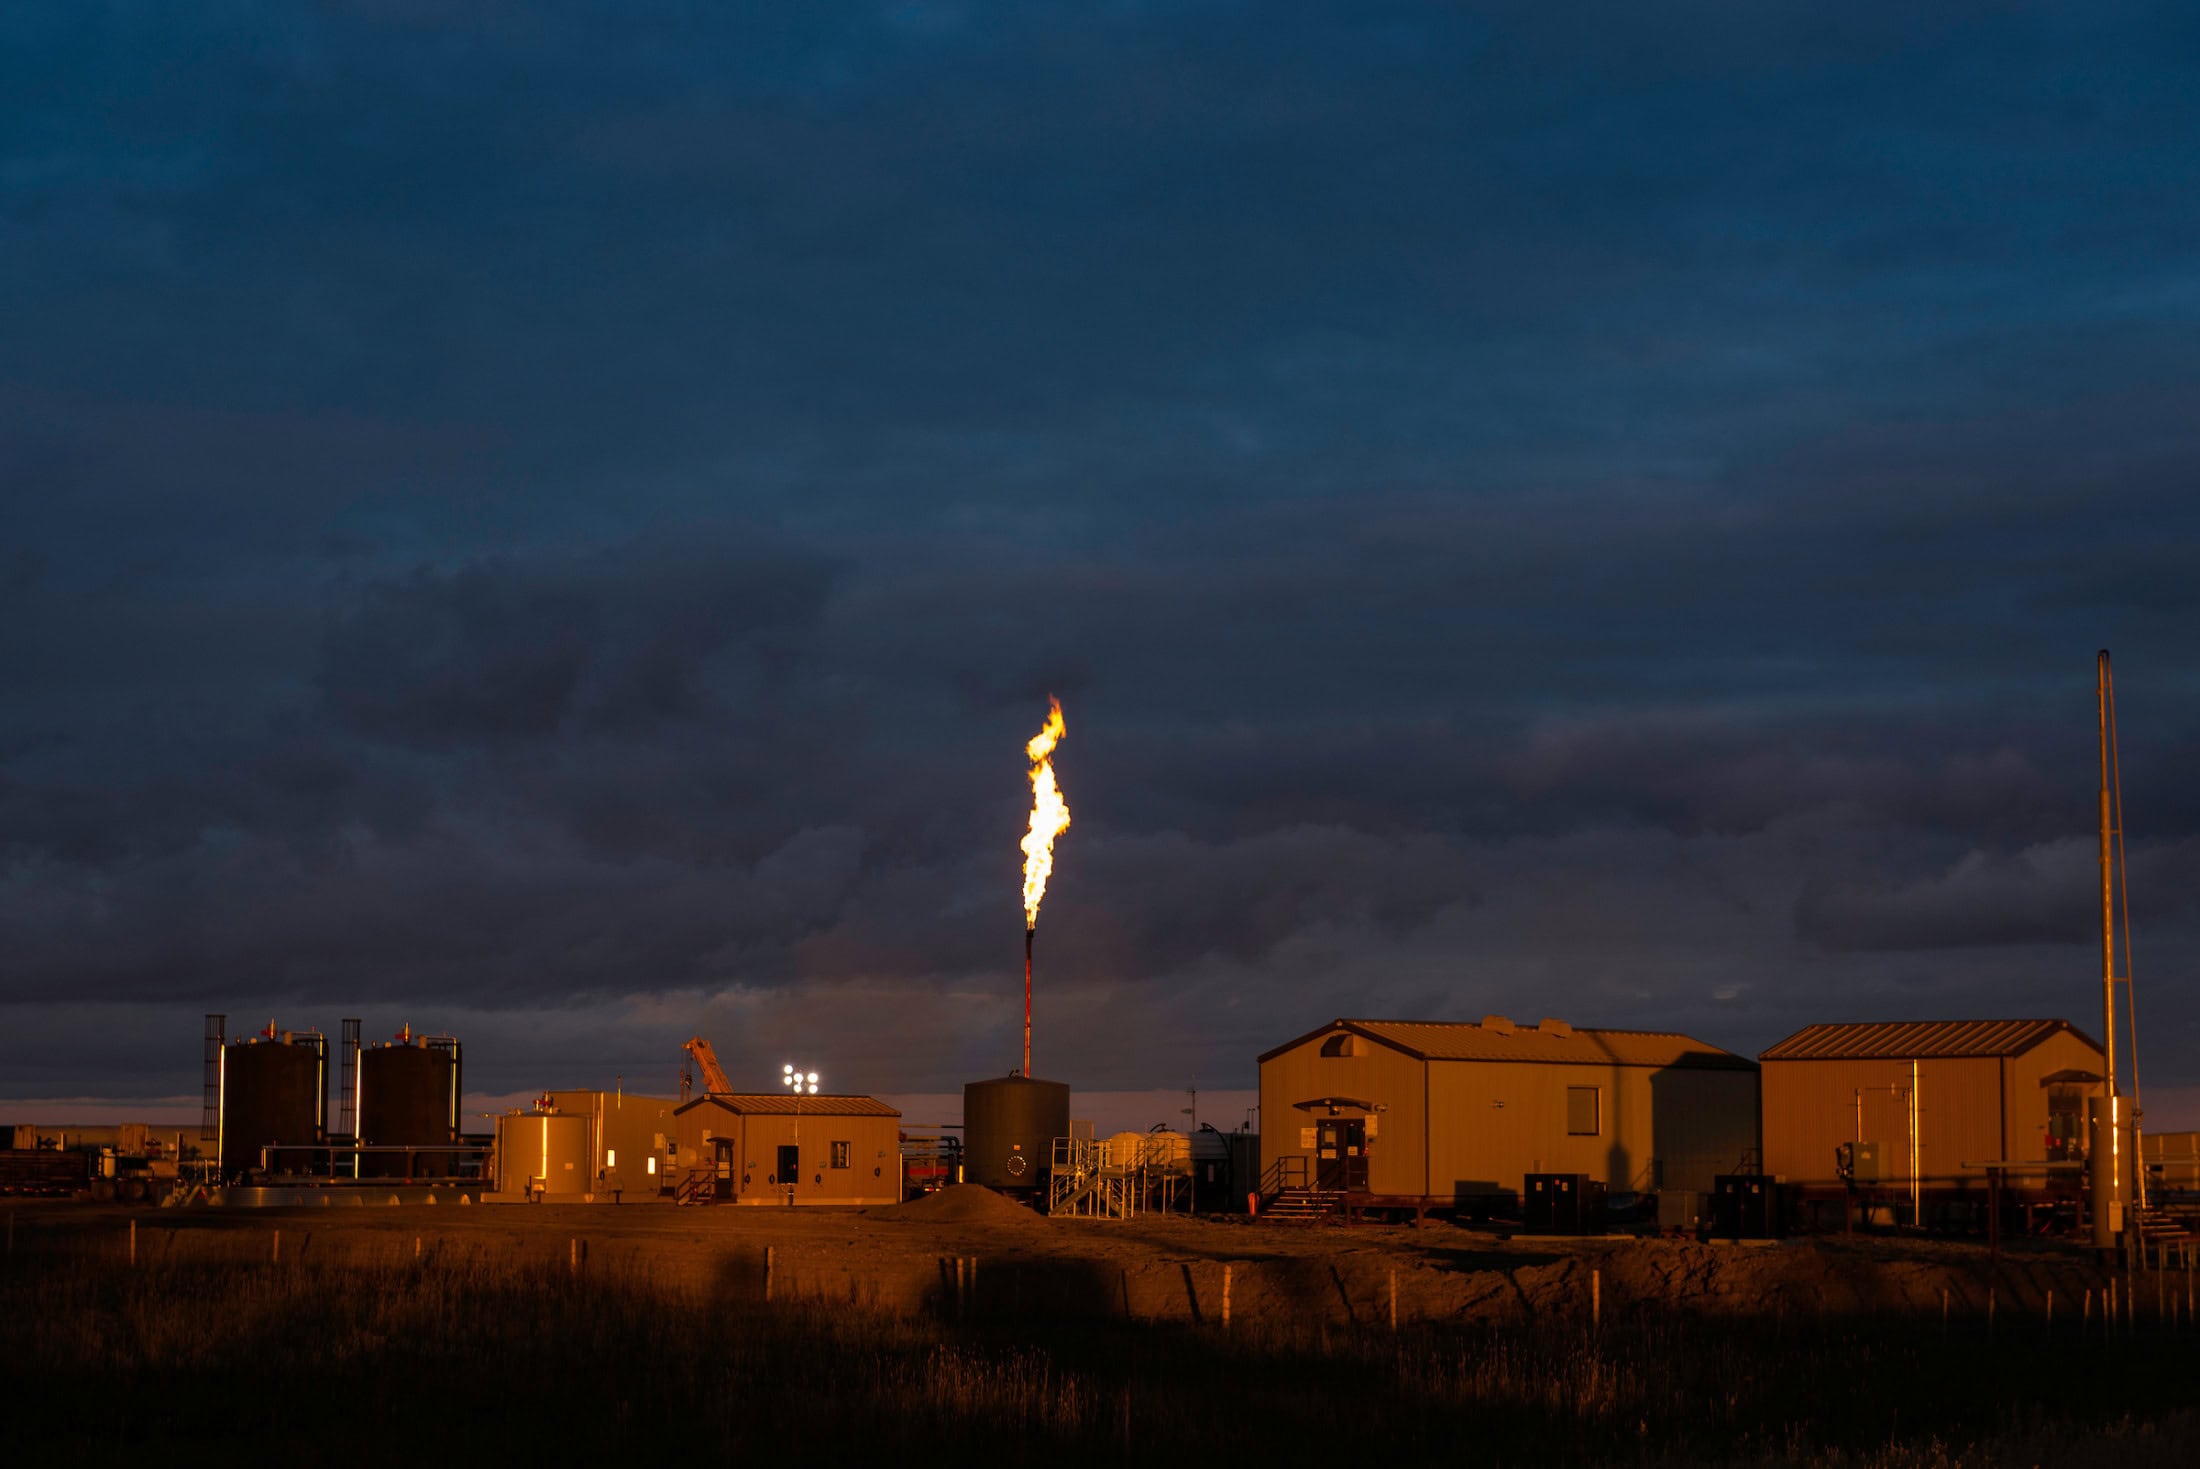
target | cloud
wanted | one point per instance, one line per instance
(560, 526)
(503, 651)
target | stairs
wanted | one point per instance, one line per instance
(1302, 1205)
(2157, 1226)
(700, 1186)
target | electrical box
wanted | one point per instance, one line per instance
(1861, 1162)
(1562, 1203)
(1746, 1206)
(1679, 1209)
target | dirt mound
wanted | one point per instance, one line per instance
(964, 1203)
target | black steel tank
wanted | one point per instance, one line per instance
(1009, 1128)
(407, 1099)
(273, 1092)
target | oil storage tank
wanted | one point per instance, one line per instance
(1009, 1128)
(273, 1094)
(542, 1152)
(408, 1098)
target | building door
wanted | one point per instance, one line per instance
(722, 1168)
(790, 1166)
(1340, 1154)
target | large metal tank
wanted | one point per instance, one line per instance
(1009, 1128)
(274, 1091)
(407, 1099)
(542, 1152)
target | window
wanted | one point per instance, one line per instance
(841, 1153)
(652, 1167)
(1583, 1116)
(1341, 1044)
(610, 1157)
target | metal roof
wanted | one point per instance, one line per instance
(1905, 1040)
(1467, 1040)
(784, 1104)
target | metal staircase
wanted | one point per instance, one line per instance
(1303, 1205)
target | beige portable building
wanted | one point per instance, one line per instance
(1446, 1114)
(1931, 1101)
(775, 1148)
(630, 1141)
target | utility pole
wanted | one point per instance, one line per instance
(2104, 1146)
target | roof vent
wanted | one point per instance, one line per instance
(1498, 1023)
(1558, 1028)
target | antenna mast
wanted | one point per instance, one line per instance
(2105, 1146)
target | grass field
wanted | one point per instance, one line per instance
(213, 1341)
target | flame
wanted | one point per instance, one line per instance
(1049, 812)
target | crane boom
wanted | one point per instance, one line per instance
(706, 1061)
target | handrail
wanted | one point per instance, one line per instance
(1292, 1170)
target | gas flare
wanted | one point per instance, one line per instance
(1049, 812)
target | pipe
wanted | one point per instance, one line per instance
(1030, 930)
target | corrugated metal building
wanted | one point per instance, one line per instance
(775, 1148)
(2173, 1161)
(1440, 1114)
(1984, 1091)
(630, 1141)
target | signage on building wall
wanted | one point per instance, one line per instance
(1306, 1137)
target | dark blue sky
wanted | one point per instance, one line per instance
(557, 522)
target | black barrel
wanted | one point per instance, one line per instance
(1009, 1128)
(271, 1093)
(406, 1101)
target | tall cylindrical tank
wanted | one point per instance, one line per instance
(406, 1101)
(542, 1152)
(273, 1092)
(1009, 1128)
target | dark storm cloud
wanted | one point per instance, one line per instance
(498, 652)
(558, 522)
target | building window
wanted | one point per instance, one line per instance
(610, 1157)
(841, 1153)
(1583, 1117)
(1341, 1044)
(652, 1167)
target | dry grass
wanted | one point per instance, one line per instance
(470, 1354)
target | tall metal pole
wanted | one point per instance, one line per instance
(1029, 930)
(2104, 1144)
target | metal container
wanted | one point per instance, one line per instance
(1009, 1128)
(408, 1098)
(1562, 1203)
(273, 1093)
(1746, 1206)
(542, 1153)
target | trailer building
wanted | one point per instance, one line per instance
(1449, 1114)
(629, 1141)
(777, 1148)
(1924, 1105)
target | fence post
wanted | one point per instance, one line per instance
(2050, 1308)
(1596, 1299)
(1226, 1272)
(133, 1242)
(275, 1254)
(771, 1260)
(1393, 1303)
